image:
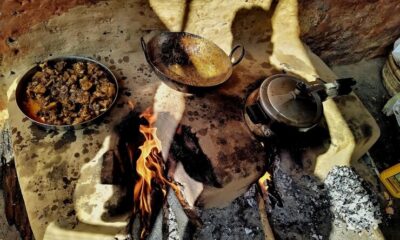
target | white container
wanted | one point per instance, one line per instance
(396, 52)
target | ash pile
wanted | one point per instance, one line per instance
(239, 220)
(299, 206)
(353, 204)
(303, 207)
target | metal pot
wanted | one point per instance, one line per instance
(187, 62)
(20, 93)
(286, 103)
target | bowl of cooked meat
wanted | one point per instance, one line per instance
(66, 92)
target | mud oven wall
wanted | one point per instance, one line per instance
(339, 32)
(114, 40)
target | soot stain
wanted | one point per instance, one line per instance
(19, 138)
(221, 141)
(37, 133)
(85, 151)
(66, 139)
(90, 131)
(203, 131)
(366, 130)
(57, 172)
(71, 213)
(265, 65)
(67, 181)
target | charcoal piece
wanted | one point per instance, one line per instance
(111, 171)
(303, 207)
(186, 149)
(129, 136)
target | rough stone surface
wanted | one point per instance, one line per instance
(347, 31)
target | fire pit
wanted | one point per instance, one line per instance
(204, 142)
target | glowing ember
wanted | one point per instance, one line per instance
(263, 183)
(150, 174)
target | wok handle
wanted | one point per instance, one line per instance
(236, 61)
(144, 47)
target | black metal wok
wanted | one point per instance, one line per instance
(187, 62)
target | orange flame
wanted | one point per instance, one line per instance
(263, 183)
(150, 170)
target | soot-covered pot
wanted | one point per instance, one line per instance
(286, 103)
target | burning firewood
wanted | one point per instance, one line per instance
(262, 197)
(138, 166)
(150, 183)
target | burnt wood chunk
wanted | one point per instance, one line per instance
(111, 171)
(186, 148)
(14, 203)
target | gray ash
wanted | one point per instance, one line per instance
(303, 211)
(239, 220)
(352, 200)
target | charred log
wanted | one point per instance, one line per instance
(14, 203)
(112, 171)
(186, 149)
(129, 142)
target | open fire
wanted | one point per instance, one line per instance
(149, 181)
(263, 183)
(150, 184)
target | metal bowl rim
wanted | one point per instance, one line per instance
(84, 124)
(186, 84)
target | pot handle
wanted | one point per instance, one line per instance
(144, 47)
(236, 61)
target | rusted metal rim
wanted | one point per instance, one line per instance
(20, 93)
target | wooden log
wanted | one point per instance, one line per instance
(14, 203)
(6, 154)
(186, 148)
(268, 233)
(112, 169)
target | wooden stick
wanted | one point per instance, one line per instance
(268, 234)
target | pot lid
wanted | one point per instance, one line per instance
(282, 99)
